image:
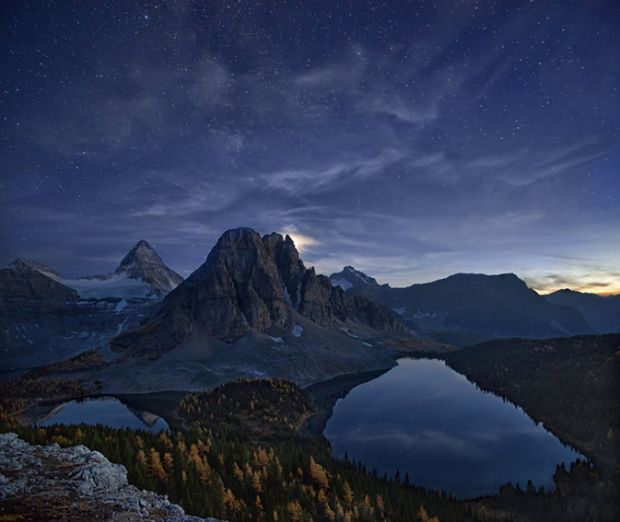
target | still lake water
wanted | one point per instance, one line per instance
(423, 418)
(108, 411)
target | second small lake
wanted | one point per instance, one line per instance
(106, 410)
(426, 420)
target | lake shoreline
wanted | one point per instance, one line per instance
(468, 428)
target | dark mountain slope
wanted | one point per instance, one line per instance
(465, 306)
(24, 279)
(602, 313)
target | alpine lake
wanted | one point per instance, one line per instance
(420, 419)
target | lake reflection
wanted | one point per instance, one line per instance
(427, 420)
(108, 411)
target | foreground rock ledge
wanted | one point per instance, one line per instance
(54, 483)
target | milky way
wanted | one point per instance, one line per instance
(412, 140)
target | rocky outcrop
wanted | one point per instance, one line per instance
(325, 304)
(52, 483)
(250, 283)
(316, 299)
(290, 268)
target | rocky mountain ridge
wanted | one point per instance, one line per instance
(602, 313)
(53, 483)
(252, 283)
(468, 308)
(252, 309)
(25, 279)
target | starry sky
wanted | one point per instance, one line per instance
(412, 140)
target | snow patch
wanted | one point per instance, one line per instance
(298, 296)
(346, 330)
(287, 296)
(120, 306)
(113, 286)
(276, 339)
(51, 275)
(360, 275)
(121, 326)
(343, 283)
(298, 330)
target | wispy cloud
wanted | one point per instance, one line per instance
(312, 181)
(343, 73)
(197, 198)
(554, 163)
(410, 112)
(587, 278)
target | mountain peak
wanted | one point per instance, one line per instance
(241, 234)
(21, 264)
(350, 277)
(142, 251)
(143, 262)
(566, 291)
(507, 279)
(26, 280)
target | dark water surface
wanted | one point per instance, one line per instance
(425, 419)
(106, 410)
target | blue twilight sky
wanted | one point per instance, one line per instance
(409, 139)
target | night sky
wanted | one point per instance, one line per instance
(409, 139)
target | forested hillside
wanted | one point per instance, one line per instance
(221, 475)
(257, 408)
(569, 384)
(572, 386)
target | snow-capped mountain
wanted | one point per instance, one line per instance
(142, 262)
(349, 278)
(45, 317)
(140, 274)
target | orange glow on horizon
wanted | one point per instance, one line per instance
(612, 289)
